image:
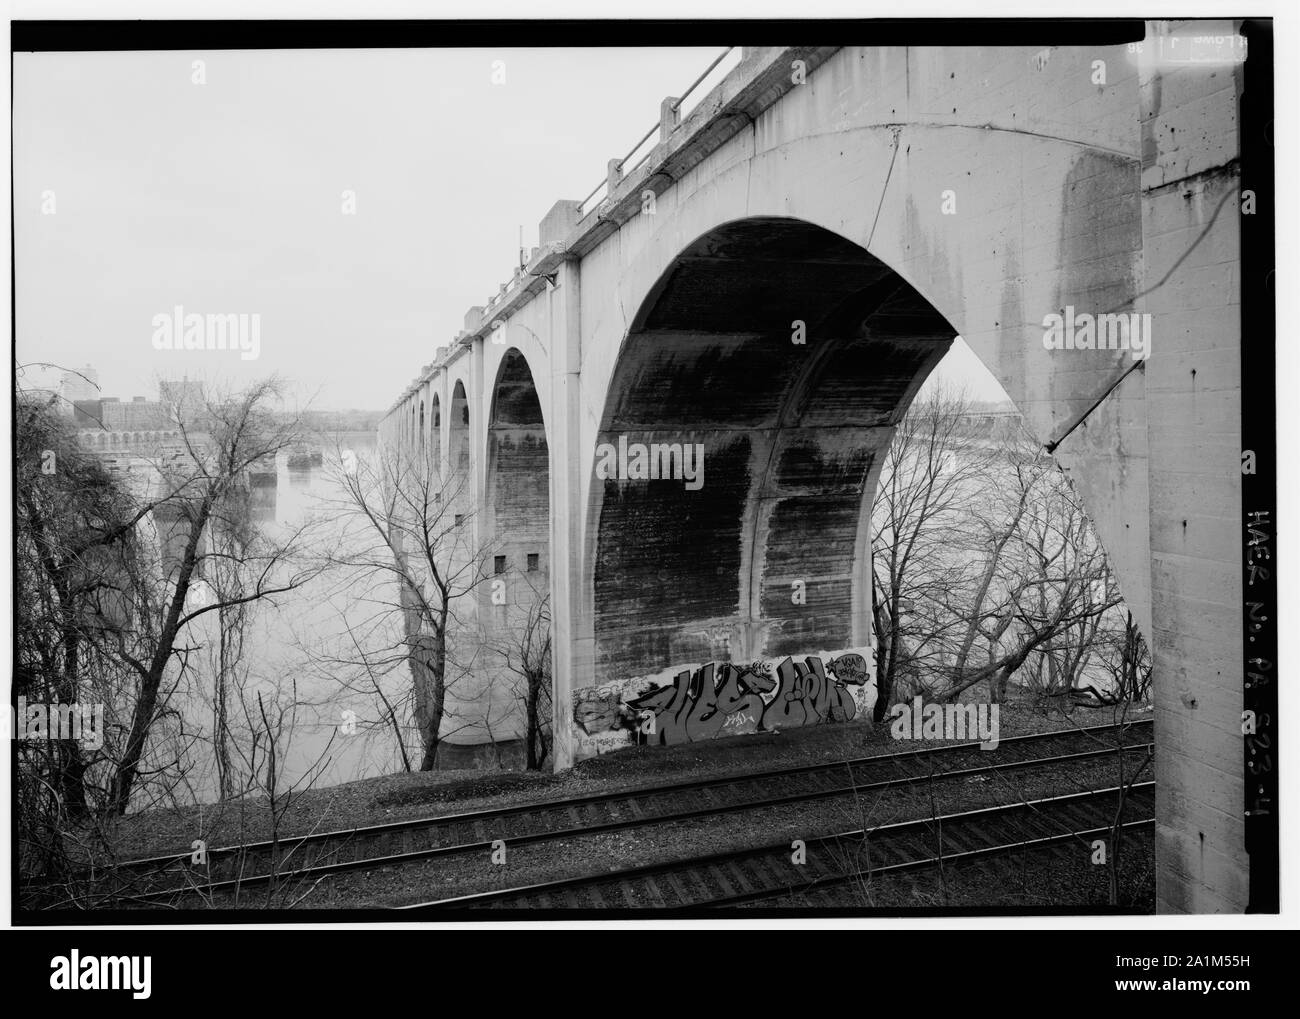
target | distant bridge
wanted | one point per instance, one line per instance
(145, 441)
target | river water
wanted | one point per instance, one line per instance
(289, 636)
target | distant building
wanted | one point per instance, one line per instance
(993, 427)
(137, 416)
(182, 399)
(83, 385)
(88, 413)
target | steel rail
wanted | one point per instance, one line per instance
(570, 803)
(1004, 849)
(604, 827)
(894, 830)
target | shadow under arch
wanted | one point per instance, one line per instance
(458, 448)
(435, 434)
(518, 467)
(518, 509)
(787, 354)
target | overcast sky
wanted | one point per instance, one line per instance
(226, 197)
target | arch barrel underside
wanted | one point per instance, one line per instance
(792, 421)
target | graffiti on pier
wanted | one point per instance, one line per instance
(806, 696)
(715, 700)
(598, 712)
(724, 699)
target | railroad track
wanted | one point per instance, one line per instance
(323, 854)
(769, 873)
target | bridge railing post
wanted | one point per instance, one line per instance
(613, 176)
(670, 115)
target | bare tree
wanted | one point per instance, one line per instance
(1122, 661)
(113, 564)
(263, 719)
(983, 559)
(407, 551)
(231, 536)
(1055, 586)
(201, 487)
(524, 647)
(67, 504)
(351, 665)
(930, 478)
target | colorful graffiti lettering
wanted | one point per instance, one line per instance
(722, 699)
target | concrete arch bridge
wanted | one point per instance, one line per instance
(773, 282)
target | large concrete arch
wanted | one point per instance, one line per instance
(510, 529)
(517, 511)
(970, 270)
(518, 468)
(785, 355)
